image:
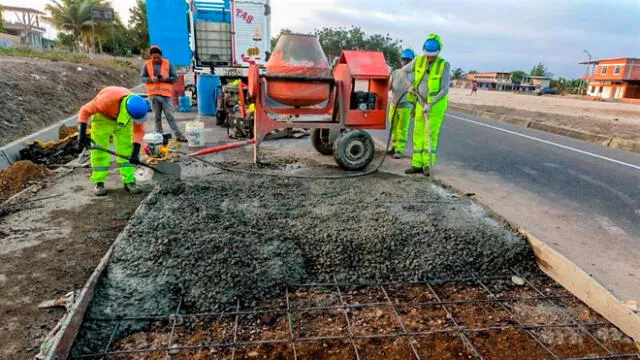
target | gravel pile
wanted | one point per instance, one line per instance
(243, 237)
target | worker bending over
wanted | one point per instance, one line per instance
(159, 75)
(114, 112)
(431, 77)
(400, 117)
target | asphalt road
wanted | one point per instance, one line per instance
(603, 180)
(574, 185)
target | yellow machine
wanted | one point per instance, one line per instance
(160, 147)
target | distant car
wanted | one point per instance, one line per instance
(547, 91)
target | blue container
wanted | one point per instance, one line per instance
(184, 103)
(207, 93)
(169, 29)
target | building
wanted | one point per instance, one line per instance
(613, 78)
(538, 82)
(32, 26)
(502, 81)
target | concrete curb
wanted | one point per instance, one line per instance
(608, 141)
(10, 153)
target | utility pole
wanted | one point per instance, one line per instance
(586, 72)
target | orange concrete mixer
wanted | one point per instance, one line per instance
(299, 90)
(298, 56)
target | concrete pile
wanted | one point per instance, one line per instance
(241, 238)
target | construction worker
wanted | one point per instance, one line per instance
(402, 113)
(431, 78)
(119, 114)
(159, 75)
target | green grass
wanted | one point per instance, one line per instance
(80, 58)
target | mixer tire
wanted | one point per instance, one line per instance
(354, 150)
(320, 141)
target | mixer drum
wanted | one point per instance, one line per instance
(295, 56)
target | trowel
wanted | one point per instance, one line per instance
(163, 171)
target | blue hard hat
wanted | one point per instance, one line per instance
(431, 46)
(137, 107)
(408, 54)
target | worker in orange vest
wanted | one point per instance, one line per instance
(116, 115)
(159, 75)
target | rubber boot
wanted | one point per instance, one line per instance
(426, 171)
(391, 151)
(413, 170)
(397, 155)
(181, 138)
(99, 190)
(132, 188)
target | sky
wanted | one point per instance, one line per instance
(481, 35)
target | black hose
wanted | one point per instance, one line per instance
(320, 177)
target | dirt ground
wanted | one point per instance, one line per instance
(37, 93)
(50, 248)
(603, 118)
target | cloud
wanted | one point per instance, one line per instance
(496, 34)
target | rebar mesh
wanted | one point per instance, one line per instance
(474, 317)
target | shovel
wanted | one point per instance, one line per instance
(164, 170)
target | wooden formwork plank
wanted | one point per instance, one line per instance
(584, 287)
(66, 336)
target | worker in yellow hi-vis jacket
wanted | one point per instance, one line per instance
(432, 75)
(400, 116)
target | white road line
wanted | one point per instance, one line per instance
(547, 142)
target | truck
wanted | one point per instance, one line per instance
(220, 37)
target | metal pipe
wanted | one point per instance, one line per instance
(223, 147)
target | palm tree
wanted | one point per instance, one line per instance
(74, 17)
(457, 73)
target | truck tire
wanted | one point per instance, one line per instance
(354, 149)
(221, 118)
(320, 141)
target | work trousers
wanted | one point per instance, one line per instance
(400, 118)
(103, 130)
(162, 104)
(422, 156)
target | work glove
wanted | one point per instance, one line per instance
(83, 140)
(135, 154)
(426, 108)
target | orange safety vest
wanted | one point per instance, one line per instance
(162, 88)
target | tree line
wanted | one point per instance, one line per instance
(79, 33)
(334, 40)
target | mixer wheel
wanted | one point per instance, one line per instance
(354, 149)
(320, 141)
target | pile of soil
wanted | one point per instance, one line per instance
(243, 238)
(65, 131)
(37, 93)
(19, 176)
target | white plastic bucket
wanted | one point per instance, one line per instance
(194, 133)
